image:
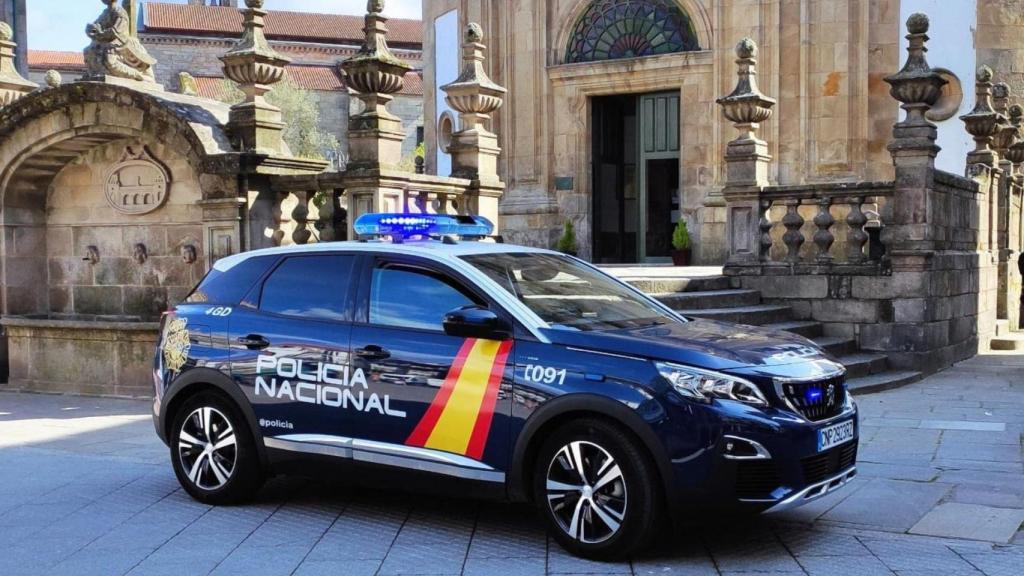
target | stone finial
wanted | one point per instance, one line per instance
(54, 79)
(916, 86)
(375, 73)
(983, 123)
(115, 51)
(1006, 136)
(746, 107)
(12, 84)
(475, 97)
(255, 66)
(1015, 152)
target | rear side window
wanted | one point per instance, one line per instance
(314, 287)
(231, 286)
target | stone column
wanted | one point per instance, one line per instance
(1004, 139)
(1015, 190)
(747, 161)
(12, 85)
(255, 125)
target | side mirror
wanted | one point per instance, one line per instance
(475, 322)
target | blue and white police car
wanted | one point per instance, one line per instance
(520, 372)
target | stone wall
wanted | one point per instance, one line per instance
(117, 284)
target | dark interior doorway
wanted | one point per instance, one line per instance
(635, 177)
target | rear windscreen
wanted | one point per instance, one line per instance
(231, 286)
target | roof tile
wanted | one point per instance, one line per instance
(50, 59)
(281, 25)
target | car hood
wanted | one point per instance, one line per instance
(700, 343)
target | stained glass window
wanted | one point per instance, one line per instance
(613, 29)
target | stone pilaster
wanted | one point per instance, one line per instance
(375, 134)
(747, 160)
(255, 124)
(12, 85)
(474, 148)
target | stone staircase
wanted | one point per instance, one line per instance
(703, 293)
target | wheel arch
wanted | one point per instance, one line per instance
(556, 412)
(197, 380)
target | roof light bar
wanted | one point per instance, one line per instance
(400, 226)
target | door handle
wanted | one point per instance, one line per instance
(373, 352)
(254, 342)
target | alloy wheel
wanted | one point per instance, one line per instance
(207, 448)
(586, 492)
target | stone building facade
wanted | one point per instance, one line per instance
(611, 119)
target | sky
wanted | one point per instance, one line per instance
(60, 24)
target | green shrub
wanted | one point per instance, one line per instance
(567, 243)
(681, 236)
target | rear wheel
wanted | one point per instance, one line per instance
(212, 451)
(597, 490)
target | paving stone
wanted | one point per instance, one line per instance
(910, 554)
(262, 561)
(971, 522)
(433, 558)
(888, 504)
(561, 562)
(805, 543)
(844, 566)
(505, 566)
(997, 563)
(752, 552)
(338, 568)
(691, 564)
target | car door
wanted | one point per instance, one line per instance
(290, 349)
(432, 401)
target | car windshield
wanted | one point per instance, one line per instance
(567, 294)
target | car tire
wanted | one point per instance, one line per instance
(610, 511)
(212, 451)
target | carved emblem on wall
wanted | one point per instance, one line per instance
(138, 184)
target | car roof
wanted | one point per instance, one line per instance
(431, 249)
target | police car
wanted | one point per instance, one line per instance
(518, 371)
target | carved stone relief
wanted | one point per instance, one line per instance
(138, 184)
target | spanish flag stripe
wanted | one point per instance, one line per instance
(482, 428)
(421, 433)
(455, 426)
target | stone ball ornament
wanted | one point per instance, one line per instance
(375, 6)
(746, 48)
(54, 79)
(255, 4)
(6, 32)
(984, 74)
(918, 23)
(474, 33)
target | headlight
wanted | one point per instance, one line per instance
(704, 384)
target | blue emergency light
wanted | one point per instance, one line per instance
(401, 226)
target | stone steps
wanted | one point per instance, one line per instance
(884, 381)
(757, 315)
(698, 293)
(708, 299)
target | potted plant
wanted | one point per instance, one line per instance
(567, 243)
(681, 244)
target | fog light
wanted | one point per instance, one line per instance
(737, 448)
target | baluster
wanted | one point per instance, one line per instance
(794, 237)
(857, 237)
(824, 238)
(300, 215)
(765, 225)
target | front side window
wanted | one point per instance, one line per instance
(313, 287)
(569, 295)
(410, 298)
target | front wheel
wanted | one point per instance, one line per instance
(597, 490)
(212, 451)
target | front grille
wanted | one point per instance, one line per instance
(756, 479)
(829, 463)
(818, 400)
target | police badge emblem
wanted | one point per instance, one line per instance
(176, 344)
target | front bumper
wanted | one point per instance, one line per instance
(756, 460)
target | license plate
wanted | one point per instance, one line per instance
(835, 435)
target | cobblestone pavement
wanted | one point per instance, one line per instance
(85, 488)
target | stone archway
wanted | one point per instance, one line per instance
(104, 223)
